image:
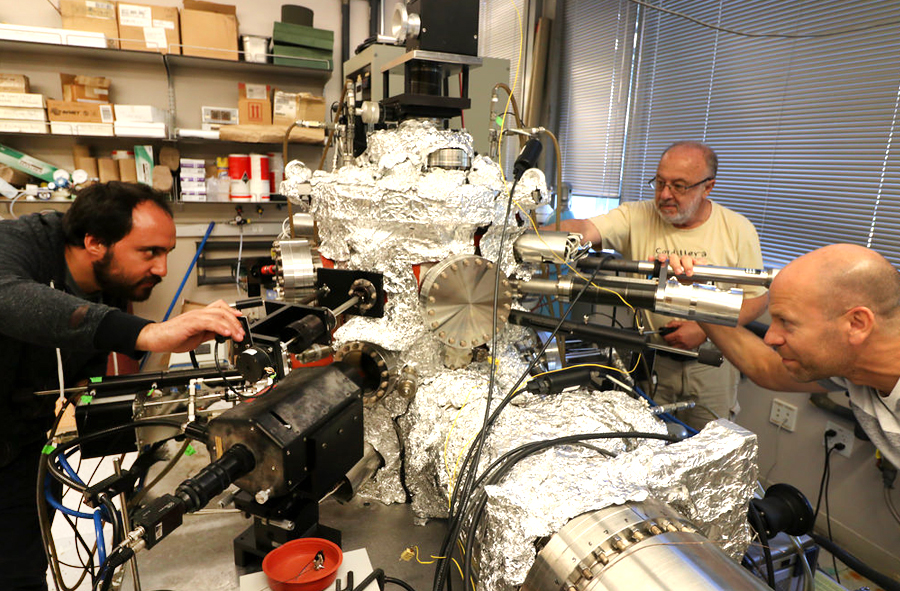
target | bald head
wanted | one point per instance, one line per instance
(707, 153)
(842, 276)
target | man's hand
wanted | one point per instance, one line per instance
(680, 265)
(687, 334)
(186, 331)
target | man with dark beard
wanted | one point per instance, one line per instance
(682, 221)
(64, 284)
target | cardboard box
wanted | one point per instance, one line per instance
(143, 162)
(216, 116)
(109, 169)
(20, 126)
(127, 170)
(86, 129)
(79, 112)
(85, 89)
(97, 16)
(17, 83)
(23, 114)
(297, 106)
(22, 99)
(149, 28)
(50, 35)
(14, 177)
(209, 30)
(254, 104)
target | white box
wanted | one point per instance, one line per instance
(72, 128)
(49, 35)
(19, 126)
(193, 163)
(23, 114)
(218, 115)
(193, 187)
(155, 130)
(191, 196)
(26, 100)
(139, 114)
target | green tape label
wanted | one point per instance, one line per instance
(190, 450)
(86, 399)
(48, 449)
(96, 380)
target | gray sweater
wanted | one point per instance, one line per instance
(36, 318)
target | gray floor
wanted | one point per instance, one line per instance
(198, 555)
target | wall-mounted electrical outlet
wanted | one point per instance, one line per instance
(844, 436)
(783, 414)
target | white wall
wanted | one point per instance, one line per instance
(860, 520)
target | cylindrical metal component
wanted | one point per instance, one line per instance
(606, 543)
(296, 262)
(377, 364)
(449, 159)
(702, 273)
(345, 306)
(359, 474)
(700, 302)
(548, 247)
(304, 225)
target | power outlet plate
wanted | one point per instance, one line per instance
(844, 435)
(783, 414)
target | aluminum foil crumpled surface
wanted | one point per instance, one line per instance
(391, 214)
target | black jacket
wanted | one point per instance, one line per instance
(36, 318)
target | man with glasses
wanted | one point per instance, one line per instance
(681, 221)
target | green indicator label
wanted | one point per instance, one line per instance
(48, 449)
(86, 399)
(96, 380)
(190, 450)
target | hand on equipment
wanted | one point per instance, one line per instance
(686, 334)
(186, 331)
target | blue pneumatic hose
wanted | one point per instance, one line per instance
(189, 270)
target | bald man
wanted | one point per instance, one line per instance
(835, 316)
(681, 220)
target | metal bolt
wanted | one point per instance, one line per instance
(324, 446)
(431, 312)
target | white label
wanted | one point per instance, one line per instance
(256, 91)
(131, 15)
(155, 38)
(96, 9)
(106, 113)
(161, 24)
(285, 105)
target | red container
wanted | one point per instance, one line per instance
(290, 566)
(239, 172)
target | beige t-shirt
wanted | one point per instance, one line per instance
(725, 239)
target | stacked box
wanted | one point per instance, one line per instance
(85, 89)
(302, 46)
(193, 179)
(140, 121)
(20, 111)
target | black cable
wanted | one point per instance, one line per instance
(828, 451)
(885, 582)
(399, 582)
(222, 372)
(837, 577)
(58, 474)
(193, 355)
(114, 519)
(757, 524)
(502, 465)
(442, 570)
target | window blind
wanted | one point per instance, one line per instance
(598, 42)
(804, 128)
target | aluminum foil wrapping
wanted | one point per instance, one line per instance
(709, 479)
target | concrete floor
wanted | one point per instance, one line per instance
(198, 555)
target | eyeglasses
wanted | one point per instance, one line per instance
(676, 188)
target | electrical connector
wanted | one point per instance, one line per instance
(408, 554)
(830, 433)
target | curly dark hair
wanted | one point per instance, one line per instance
(104, 210)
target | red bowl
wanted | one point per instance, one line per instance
(290, 566)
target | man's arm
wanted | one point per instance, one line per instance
(755, 359)
(586, 228)
(186, 331)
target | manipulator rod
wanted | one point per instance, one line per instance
(696, 301)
